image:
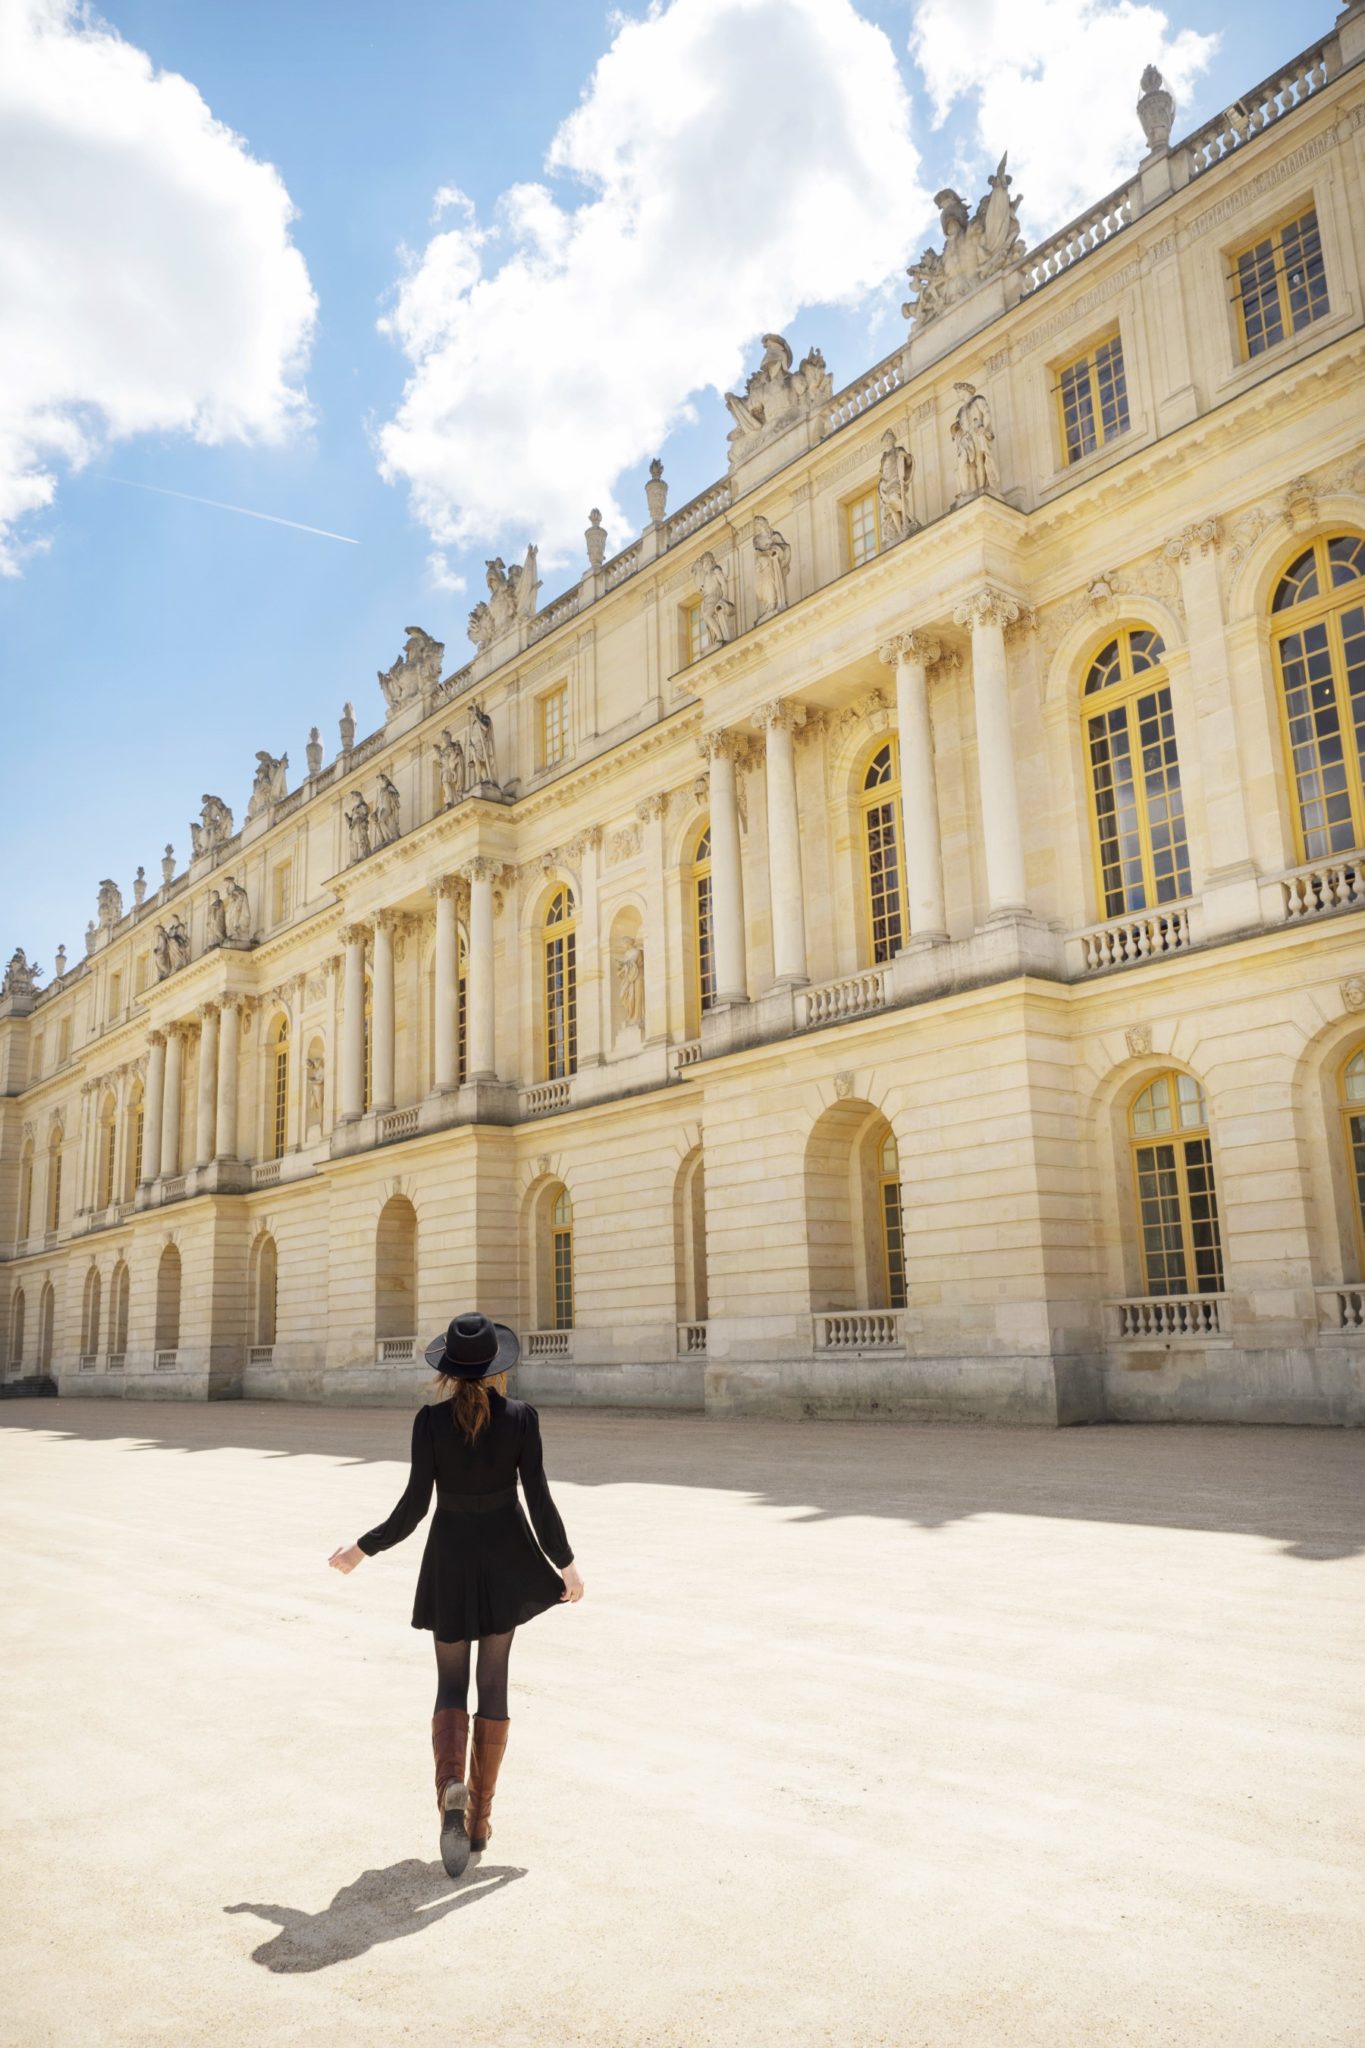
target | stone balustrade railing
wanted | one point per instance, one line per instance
(1090, 230)
(87, 1362)
(396, 1350)
(260, 1354)
(691, 1339)
(116, 1361)
(1315, 890)
(1341, 1310)
(165, 1361)
(1268, 102)
(623, 565)
(173, 1189)
(696, 512)
(853, 995)
(397, 1123)
(685, 1055)
(1145, 935)
(549, 1344)
(1167, 1316)
(544, 1096)
(555, 614)
(854, 400)
(864, 1329)
(265, 1173)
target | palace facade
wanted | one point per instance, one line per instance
(891, 940)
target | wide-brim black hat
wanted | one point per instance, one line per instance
(473, 1348)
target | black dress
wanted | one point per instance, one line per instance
(482, 1570)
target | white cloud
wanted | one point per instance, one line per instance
(147, 278)
(738, 159)
(1055, 83)
(440, 575)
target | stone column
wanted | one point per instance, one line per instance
(913, 654)
(778, 722)
(87, 1168)
(153, 1097)
(445, 992)
(586, 850)
(381, 1015)
(651, 812)
(205, 1135)
(727, 876)
(170, 1108)
(986, 614)
(482, 1050)
(352, 1091)
(229, 1043)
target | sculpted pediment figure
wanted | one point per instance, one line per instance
(417, 668)
(976, 248)
(512, 595)
(776, 396)
(269, 783)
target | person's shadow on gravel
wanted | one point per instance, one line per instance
(381, 1905)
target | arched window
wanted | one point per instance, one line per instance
(54, 1178)
(133, 1147)
(105, 1162)
(90, 1313)
(703, 923)
(26, 1189)
(1137, 808)
(47, 1310)
(882, 879)
(561, 989)
(395, 1272)
(264, 1276)
(118, 1314)
(277, 1090)
(168, 1301)
(561, 1262)
(1353, 1111)
(689, 1239)
(1319, 638)
(893, 1231)
(16, 1330)
(1177, 1204)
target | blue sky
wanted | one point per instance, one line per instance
(148, 645)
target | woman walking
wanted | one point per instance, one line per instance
(482, 1573)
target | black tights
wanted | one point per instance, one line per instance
(452, 1675)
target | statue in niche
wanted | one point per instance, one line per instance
(180, 942)
(630, 982)
(316, 1076)
(387, 813)
(269, 783)
(776, 396)
(976, 248)
(894, 472)
(973, 437)
(483, 767)
(358, 828)
(772, 560)
(21, 977)
(417, 669)
(450, 762)
(161, 952)
(717, 606)
(215, 920)
(213, 828)
(511, 596)
(238, 910)
(110, 908)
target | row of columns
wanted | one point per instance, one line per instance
(215, 1118)
(986, 615)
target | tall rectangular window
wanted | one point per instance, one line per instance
(1092, 393)
(864, 528)
(279, 1134)
(1279, 283)
(553, 709)
(691, 631)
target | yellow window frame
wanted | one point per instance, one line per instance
(1273, 235)
(1182, 1089)
(1087, 374)
(1327, 609)
(884, 797)
(1353, 1129)
(139, 1117)
(552, 716)
(561, 1262)
(863, 524)
(1123, 695)
(279, 1094)
(559, 985)
(690, 620)
(892, 1219)
(701, 904)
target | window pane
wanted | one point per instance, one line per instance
(1204, 1238)
(1304, 276)
(893, 1244)
(1258, 291)
(1163, 1243)
(1116, 812)
(1112, 387)
(883, 880)
(862, 529)
(1078, 410)
(706, 950)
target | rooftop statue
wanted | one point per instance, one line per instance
(776, 396)
(417, 669)
(20, 977)
(976, 248)
(512, 595)
(269, 783)
(214, 827)
(110, 903)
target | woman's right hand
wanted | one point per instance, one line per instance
(573, 1582)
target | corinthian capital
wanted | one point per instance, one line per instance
(480, 869)
(722, 744)
(1202, 534)
(353, 934)
(988, 607)
(783, 712)
(926, 648)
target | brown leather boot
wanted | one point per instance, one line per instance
(485, 1757)
(449, 1739)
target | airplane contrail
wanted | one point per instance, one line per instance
(218, 505)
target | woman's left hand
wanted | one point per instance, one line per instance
(347, 1557)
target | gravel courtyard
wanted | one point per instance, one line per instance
(894, 1735)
